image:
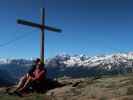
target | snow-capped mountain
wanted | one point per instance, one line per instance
(16, 61)
(71, 66)
(83, 65)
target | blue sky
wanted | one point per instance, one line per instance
(90, 27)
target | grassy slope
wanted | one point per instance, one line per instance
(105, 88)
(34, 96)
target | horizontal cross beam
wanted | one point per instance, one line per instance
(28, 23)
(52, 29)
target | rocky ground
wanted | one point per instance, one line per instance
(98, 88)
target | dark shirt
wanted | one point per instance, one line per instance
(31, 70)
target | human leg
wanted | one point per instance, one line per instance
(26, 84)
(22, 82)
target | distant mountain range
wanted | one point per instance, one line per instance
(70, 66)
(82, 65)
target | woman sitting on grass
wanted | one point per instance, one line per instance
(35, 76)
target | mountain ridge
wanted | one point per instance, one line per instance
(73, 66)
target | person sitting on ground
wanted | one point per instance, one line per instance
(34, 76)
(33, 67)
(38, 76)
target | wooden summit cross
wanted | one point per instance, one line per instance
(42, 27)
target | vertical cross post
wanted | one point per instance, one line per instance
(42, 35)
